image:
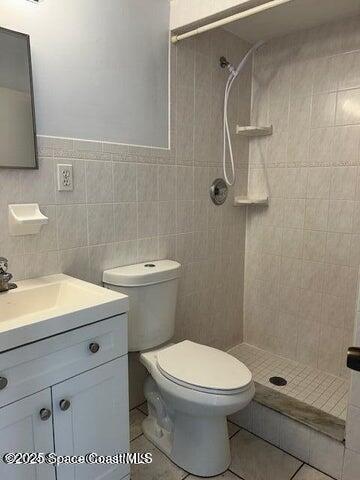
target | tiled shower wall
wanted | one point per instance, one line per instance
(303, 251)
(132, 204)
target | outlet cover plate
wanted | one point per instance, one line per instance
(65, 177)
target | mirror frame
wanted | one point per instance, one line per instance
(27, 39)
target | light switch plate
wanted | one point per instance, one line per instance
(65, 178)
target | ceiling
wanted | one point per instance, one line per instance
(292, 16)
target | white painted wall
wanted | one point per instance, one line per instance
(100, 67)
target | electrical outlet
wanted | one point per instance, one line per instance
(65, 178)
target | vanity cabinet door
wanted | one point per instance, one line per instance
(91, 414)
(23, 430)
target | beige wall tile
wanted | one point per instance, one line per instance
(340, 216)
(348, 107)
(343, 183)
(314, 245)
(124, 182)
(316, 214)
(346, 145)
(294, 213)
(38, 186)
(75, 262)
(338, 248)
(100, 224)
(319, 180)
(313, 276)
(72, 226)
(323, 110)
(125, 216)
(292, 243)
(99, 182)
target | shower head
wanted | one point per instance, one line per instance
(223, 62)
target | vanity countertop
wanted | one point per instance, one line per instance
(46, 306)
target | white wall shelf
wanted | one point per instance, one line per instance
(243, 201)
(253, 131)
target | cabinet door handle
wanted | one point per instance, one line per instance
(64, 404)
(94, 347)
(45, 414)
(3, 383)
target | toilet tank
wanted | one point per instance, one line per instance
(152, 290)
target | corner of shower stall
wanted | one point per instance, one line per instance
(300, 409)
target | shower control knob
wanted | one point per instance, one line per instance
(353, 358)
(94, 347)
(218, 191)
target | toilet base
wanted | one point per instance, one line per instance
(199, 446)
(187, 425)
(157, 435)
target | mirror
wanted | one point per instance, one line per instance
(17, 117)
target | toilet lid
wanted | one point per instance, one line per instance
(203, 368)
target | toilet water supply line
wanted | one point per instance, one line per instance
(230, 180)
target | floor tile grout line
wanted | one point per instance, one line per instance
(138, 406)
(320, 471)
(135, 438)
(275, 446)
(236, 475)
(138, 409)
(297, 471)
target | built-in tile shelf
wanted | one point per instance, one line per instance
(253, 131)
(240, 201)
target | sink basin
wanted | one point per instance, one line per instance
(45, 299)
(50, 305)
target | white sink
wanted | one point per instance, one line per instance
(47, 306)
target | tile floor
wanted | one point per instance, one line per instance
(252, 458)
(314, 387)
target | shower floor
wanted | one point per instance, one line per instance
(312, 387)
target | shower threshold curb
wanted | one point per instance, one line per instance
(301, 412)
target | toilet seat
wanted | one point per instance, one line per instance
(202, 368)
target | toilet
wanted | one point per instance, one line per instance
(191, 387)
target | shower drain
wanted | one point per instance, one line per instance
(278, 381)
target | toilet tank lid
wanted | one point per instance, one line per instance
(142, 274)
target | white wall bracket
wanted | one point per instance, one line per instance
(26, 219)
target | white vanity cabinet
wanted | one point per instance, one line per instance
(22, 430)
(90, 415)
(67, 394)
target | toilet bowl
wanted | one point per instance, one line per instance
(192, 387)
(191, 390)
